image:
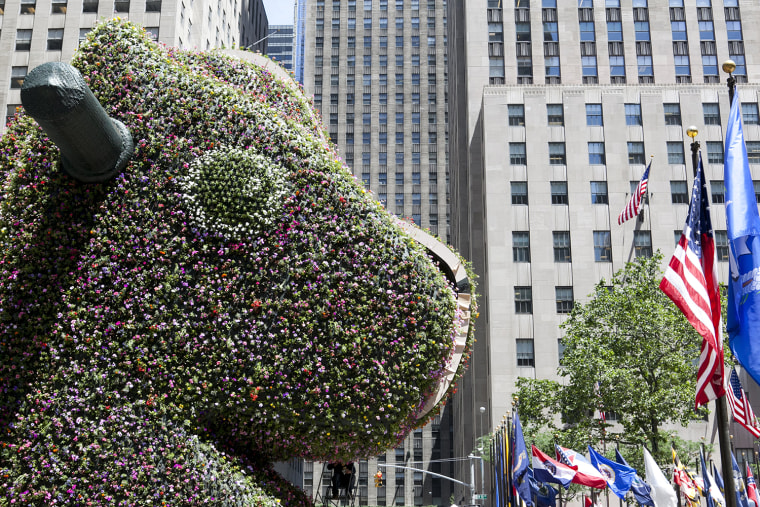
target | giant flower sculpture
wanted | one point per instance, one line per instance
(230, 298)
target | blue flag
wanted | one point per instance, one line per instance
(619, 477)
(707, 482)
(719, 480)
(741, 490)
(520, 463)
(642, 491)
(545, 495)
(743, 316)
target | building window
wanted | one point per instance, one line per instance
(58, 7)
(678, 192)
(121, 6)
(753, 151)
(711, 112)
(642, 243)
(557, 154)
(636, 153)
(525, 356)
(717, 191)
(714, 152)
(516, 113)
(153, 32)
(594, 114)
(153, 6)
(564, 298)
(28, 6)
(523, 300)
(90, 6)
(672, 114)
(555, 115)
(683, 67)
(561, 242)
(559, 192)
(517, 154)
(756, 185)
(23, 40)
(602, 246)
(55, 39)
(721, 246)
(599, 192)
(675, 152)
(17, 76)
(560, 349)
(633, 114)
(519, 192)
(750, 114)
(596, 154)
(521, 246)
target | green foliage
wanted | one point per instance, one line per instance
(639, 347)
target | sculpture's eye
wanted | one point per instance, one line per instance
(236, 193)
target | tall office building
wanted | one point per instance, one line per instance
(299, 39)
(555, 110)
(280, 45)
(377, 71)
(36, 31)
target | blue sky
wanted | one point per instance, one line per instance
(279, 12)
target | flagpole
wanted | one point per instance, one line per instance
(720, 403)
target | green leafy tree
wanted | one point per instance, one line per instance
(632, 340)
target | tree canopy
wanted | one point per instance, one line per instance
(628, 352)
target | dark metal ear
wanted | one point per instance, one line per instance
(94, 147)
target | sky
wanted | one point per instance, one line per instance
(279, 12)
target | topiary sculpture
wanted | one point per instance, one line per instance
(228, 298)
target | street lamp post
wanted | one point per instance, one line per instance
(480, 449)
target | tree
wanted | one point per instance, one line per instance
(640, 349)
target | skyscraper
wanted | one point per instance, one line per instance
(37, 31)
(377, 71)
(280, 45)
(555, 110)
(299, 39)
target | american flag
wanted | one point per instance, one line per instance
(633, 207)
(692, 283)
(737, 398)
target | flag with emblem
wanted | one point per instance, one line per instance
(586, 474)
(546, 469)
(751, 486)
(520, 463)
(619, 477)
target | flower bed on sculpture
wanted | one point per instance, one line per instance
(232, 298)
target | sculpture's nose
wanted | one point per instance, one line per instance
(94, 147)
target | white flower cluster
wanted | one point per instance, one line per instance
(235, 193)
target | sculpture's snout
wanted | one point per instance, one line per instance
(94, 147)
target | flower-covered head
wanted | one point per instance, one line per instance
(232, 297)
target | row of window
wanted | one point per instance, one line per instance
(562, 250)
(558, 154)
(555, 115)
(382, 4)
(597, 155)
(679, 192)
(642, 243)
(61, 6)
